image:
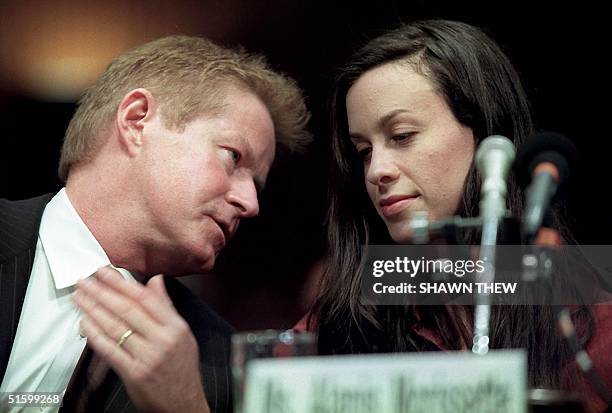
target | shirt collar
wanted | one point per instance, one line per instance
(73, 253)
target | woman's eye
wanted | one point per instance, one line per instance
(402, 137)
(364, 153)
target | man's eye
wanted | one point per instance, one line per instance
(236, 155)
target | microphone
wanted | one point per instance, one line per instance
(544, 160)
(494, 157)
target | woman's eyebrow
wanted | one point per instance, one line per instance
(382, 122)
(389, 116)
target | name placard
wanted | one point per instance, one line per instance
(452, 382)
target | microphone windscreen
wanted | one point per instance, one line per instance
(544, 147)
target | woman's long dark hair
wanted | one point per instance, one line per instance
(484, 92)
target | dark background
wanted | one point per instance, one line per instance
(267, 276)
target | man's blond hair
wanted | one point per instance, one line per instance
(188, 76)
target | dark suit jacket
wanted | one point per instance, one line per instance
(19, 222)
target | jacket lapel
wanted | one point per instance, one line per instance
(14, 277)
(19, 221)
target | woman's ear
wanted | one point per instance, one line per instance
(135, 109)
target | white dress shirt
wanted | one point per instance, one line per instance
(47, 344)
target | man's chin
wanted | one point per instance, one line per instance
(207, 267)
(200, 258)
(191, 265)
(204, 264)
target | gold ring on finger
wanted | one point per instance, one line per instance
(124, 337)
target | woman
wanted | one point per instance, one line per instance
(408, 111)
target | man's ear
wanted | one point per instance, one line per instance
(136, 108)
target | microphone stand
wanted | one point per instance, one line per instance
(423, 230)
(482, 314)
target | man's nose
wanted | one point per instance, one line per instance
(243, 196)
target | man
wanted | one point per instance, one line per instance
(163, 158)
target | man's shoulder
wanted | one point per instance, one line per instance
(24, 209)
(19, 222)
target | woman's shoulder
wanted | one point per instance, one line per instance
(599, 349)
(600, 343)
